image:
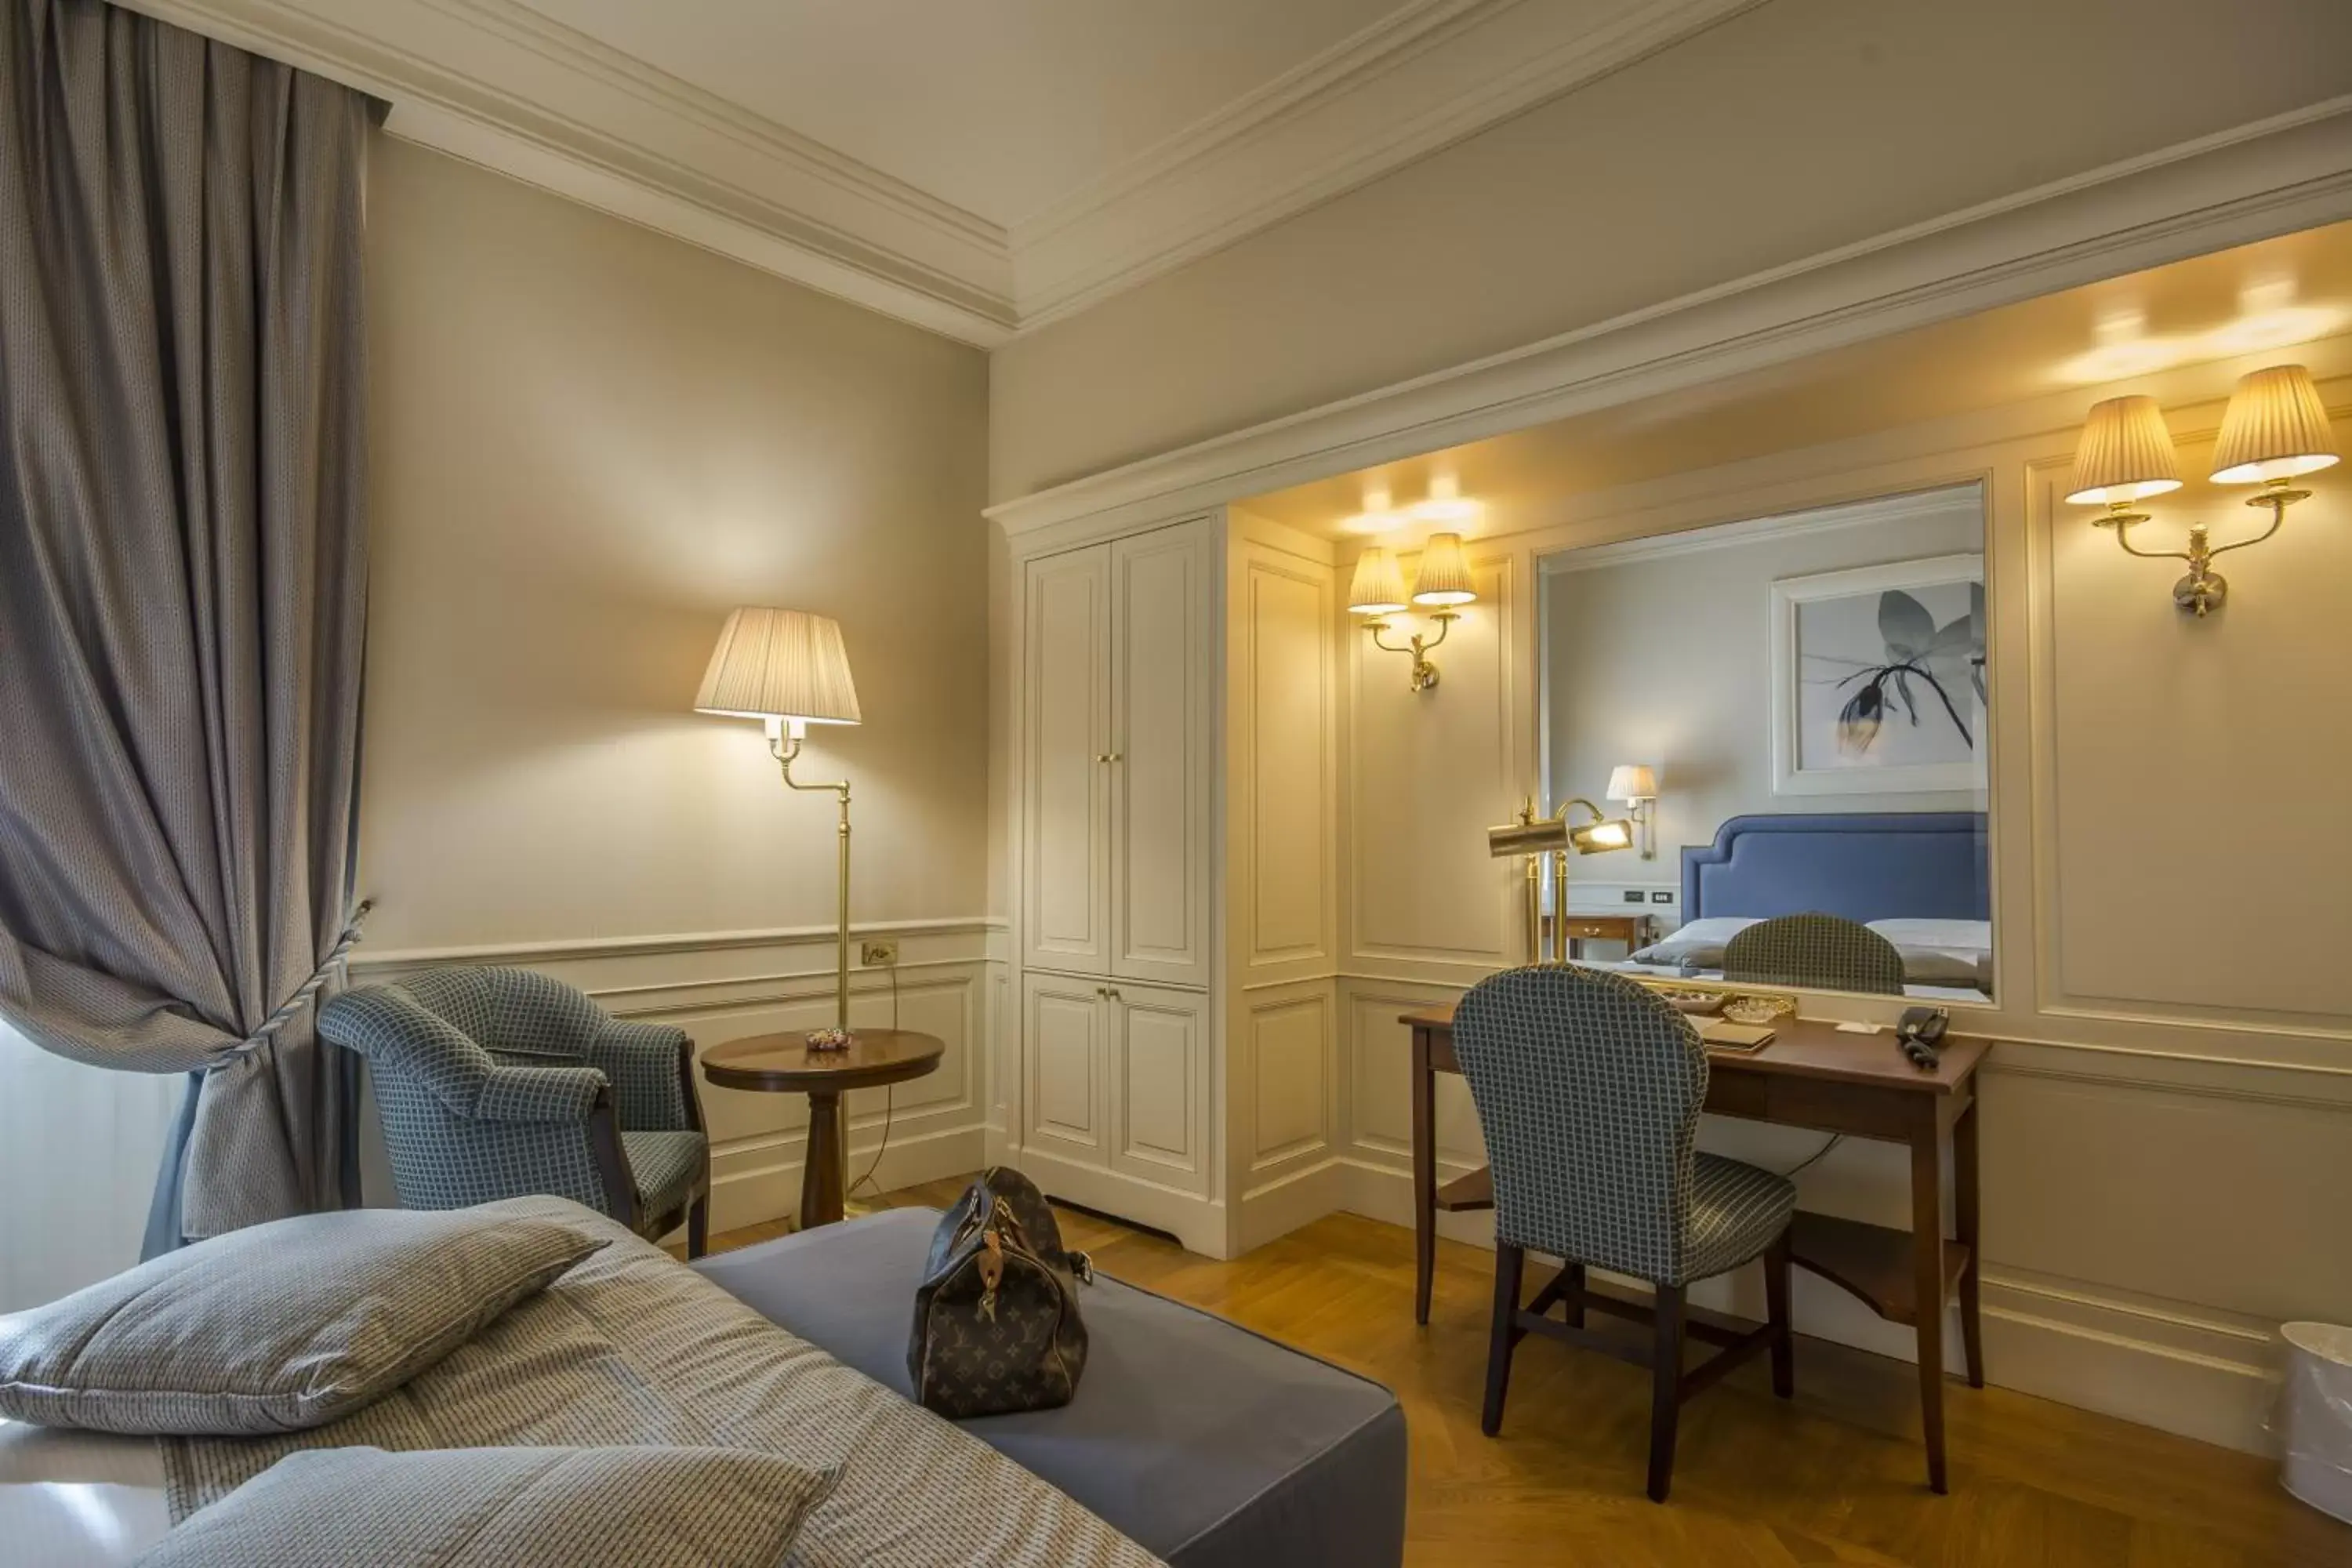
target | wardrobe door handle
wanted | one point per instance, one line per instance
(1107, 757)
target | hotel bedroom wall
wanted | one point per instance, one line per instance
(2169, 1127)
(1789, 130)
(589, 441)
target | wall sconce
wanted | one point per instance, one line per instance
(1442, 585)
(1537, 836)
(1636, 784)
(2276, 428)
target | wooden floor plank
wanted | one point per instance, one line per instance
(1831, 1478)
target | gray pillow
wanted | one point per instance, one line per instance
(278, 1328)
(505, 1507)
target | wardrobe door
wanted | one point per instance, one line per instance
(1161, 672)
(1064, 1045)
(1066, 766)
(1160, 1085)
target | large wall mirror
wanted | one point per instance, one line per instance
(1790, 712)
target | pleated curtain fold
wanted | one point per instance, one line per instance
(183, 579)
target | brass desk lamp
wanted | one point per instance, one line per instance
(1538, 836)
(788, 668)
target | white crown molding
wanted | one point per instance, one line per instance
(1427, 75)
(497, 84)
(2271, 177)
(1944, 501)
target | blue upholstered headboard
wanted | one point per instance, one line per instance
(1866, 865)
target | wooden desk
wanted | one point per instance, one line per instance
(1810, 1076)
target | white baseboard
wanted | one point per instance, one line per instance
(1197, 1222)
(1281, 1207)
(2182, 1369)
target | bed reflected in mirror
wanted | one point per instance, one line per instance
(1790, 713)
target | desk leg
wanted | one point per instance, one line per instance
(1964, 1218)
(1424, 1175)
(1927, 1263)
(821, 1173)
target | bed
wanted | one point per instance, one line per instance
(1920, 878)
(1206, 1444)
(629, 1347)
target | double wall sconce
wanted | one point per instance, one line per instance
(2275, 430)
(1441, 586)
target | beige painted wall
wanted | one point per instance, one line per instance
(1791, 130)
(589, 442)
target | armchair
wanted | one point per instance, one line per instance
(494, 1083)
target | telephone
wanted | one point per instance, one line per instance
(1918, 1035)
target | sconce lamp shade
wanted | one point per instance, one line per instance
(1445, 577)
(1378, 588)
(2276, 428)
(2125, 454)
(779, 664)
(1632, 782)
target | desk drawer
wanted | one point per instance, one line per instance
(1619, 929)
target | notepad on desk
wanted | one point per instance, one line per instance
(1723, 1035)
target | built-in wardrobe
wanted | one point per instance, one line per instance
(1170, 1052)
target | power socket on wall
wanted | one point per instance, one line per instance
(882, 952)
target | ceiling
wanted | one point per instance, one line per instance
(977, 167)
(1038, 99)
(2238, 309)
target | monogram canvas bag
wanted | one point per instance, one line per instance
(996, 1316)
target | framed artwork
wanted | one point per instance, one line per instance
(1878, 679)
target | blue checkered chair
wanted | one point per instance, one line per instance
(1588, 1089)
(494, 1083)
(1825, 951)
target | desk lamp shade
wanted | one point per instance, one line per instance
(2125, 454)
(2276, 428)
(779, 664)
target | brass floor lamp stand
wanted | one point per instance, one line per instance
(838, 1038)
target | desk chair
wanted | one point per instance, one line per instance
(1589, 1088)
(1825, 951)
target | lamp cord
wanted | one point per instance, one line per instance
(889, 1106)
(1835, 1139)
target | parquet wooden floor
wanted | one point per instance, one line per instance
(1833, 1477)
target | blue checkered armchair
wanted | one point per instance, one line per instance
(1588, 1089)
(494, 1083)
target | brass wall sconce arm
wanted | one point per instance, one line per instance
(1424, 674)
(2202, 588)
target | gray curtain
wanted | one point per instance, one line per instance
(182, 577)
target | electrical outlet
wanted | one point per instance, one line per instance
(1661, 896)
(1633, 895)
(880, 954)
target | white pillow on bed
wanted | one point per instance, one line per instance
(1695, 945)
(1942, 953)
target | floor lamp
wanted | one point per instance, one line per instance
(788, 668)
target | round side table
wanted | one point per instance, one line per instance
(784, 1064)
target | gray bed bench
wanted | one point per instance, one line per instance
(1206, 1444)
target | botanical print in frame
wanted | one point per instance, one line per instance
(1878, 679)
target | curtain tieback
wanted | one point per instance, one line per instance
(293, 1004)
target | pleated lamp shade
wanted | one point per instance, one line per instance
(2125, 454)
(1445, 576)
(1633, 780)
(779, 664)
(2276, 428)
(1377, 589)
